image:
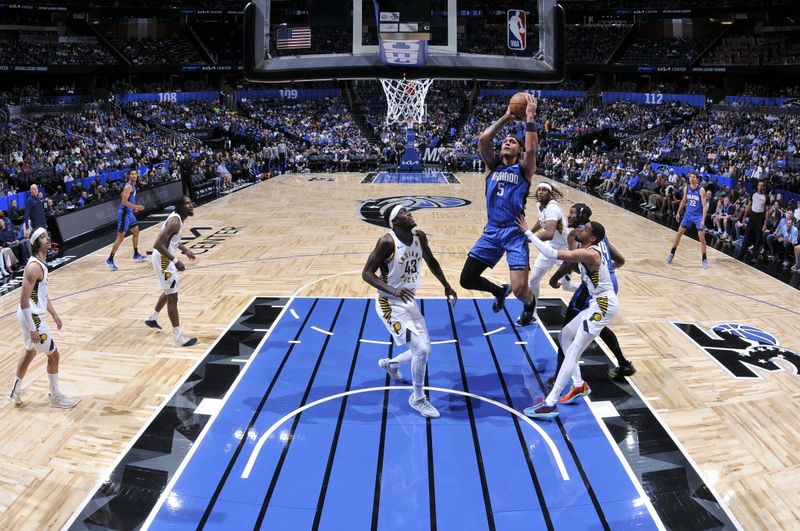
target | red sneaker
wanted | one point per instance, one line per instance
(575, 393)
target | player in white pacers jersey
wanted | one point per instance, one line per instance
(34, 303)
(167, 265)
(551, 226)
(587, 325)
(398, 256)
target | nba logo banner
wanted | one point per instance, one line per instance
(516, 29)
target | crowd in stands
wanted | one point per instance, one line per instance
(72, 145)
(175, 49)
(593, 43)
(648, 50)
(222, 38)
(659, 193)
(22, 43)
(770, 91)
(748, 48)
(269, 137)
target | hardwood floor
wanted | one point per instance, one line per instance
(291, 236)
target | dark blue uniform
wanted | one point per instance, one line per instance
(125, 216)
(506, 194)
(694, 208)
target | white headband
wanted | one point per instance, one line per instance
(38, 232)
(545, 186)
(395, 211)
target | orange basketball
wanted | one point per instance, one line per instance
(518, 104)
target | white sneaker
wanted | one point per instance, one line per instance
(392, 369)
(424, 407)
(16, 397)
(183, 341)
(61, 401)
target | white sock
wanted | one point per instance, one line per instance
(177, 331)
(17, 385)
(154, 315)
(53, 384)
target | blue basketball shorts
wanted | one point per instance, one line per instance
(495, 241)
(689, 220)
(126, 220)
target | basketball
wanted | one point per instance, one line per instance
(518, 104)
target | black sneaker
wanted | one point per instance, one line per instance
(626, 369)
(500, 302)
(526, 317)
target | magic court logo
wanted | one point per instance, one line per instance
(744, 351)
(374, 211)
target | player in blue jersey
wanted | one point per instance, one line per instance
(694, 199)
(507, 187)
(126, 220)
(579, 215)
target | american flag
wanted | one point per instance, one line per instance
(293, 38)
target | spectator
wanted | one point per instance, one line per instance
(34, 209)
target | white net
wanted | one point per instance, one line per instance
(406, 100)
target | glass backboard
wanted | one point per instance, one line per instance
(305, 40)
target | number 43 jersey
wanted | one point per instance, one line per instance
(404, 268)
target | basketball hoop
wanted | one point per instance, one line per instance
(406, 100)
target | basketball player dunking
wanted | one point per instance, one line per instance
(507, 187)
(33, 305)
(398, 255)
(126, 220)
(694, 199)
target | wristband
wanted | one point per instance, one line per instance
(26, 312)
(530, 127)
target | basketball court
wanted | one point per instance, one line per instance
(281, 418)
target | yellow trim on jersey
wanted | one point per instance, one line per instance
(602, 302)
(383, 302)
(164, 263)
(35, 294)
(37, 321)
(560, 225)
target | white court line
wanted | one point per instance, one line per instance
(147, 424)
(643, 497)
(444, 342)
(520, 342)
(294, 314)
(490, 332)
(320, 330)
(267, 434)
(260, 329)
(294, 341)
(374, 342)
(238, 360)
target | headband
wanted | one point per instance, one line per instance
(38, 232)
(545, 186)
(395, 211)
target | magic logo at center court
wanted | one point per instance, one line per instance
(374, 211)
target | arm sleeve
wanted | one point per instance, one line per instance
(543, 247)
